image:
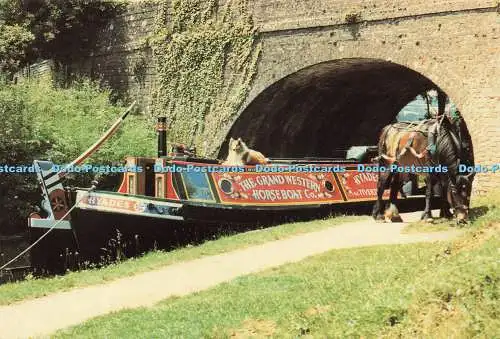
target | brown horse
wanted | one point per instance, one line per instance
(404, 144)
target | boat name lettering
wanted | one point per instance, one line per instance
(273, 180)
(365, 177)
(365, 192)
(113, 203)
(273, 195)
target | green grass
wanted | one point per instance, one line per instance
(420, 290)
(12, 292)
(460, 298)
(437, 225)
(356, 299)
(483, 210)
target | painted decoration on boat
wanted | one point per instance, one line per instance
(121, 204)
(295, 188)
(105, 202)
(277, 188)
(197, 186)
(359, 186)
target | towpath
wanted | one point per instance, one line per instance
(42, 316)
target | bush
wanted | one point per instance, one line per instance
(43, 122)
(17, 143)
(14, 40)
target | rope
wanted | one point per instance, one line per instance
(49, 230)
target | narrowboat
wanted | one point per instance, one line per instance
(174, 193)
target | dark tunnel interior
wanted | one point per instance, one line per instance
(326, 107)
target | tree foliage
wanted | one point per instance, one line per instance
(50, 29)
(17, 143)
(42, 122)
(14, 41)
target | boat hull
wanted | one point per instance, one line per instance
(100, 237)
(177, 202)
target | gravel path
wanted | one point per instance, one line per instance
(42, 316)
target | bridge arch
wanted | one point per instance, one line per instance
(327, 106)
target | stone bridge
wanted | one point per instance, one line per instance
(333, 73)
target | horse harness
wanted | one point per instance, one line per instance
(424, 127)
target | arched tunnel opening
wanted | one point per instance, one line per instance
(322, 110)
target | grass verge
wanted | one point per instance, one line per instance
(324, 296)
(420, 290)
(480, 208)
(438, 225)
(34, 288)
(460, 297)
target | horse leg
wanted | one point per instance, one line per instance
(427, 215)
(401, 188)
(393, 210)
(383, 180)
(395, 185)
(445, 205)
(376, 212)
(445, 210)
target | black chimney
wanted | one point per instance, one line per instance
(161, 128)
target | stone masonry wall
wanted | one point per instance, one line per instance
(454, 43)
(120, 47)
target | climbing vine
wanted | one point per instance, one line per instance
(139, 68)
(206, 57)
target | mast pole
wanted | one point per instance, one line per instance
(92, 149)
